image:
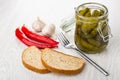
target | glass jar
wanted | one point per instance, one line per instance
(92, 31)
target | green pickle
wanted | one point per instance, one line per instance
(94, 42)
(88, 14)
(101, 12)
(96, 13)
(81, 12)
(87, 37)
(84, 11)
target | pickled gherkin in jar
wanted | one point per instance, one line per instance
(91, 27)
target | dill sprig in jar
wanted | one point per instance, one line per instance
(92, 31)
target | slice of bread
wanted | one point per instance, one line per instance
(31, 59)
(59, 62)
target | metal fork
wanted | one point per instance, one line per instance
(66, 43)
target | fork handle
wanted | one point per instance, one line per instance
(92, 62)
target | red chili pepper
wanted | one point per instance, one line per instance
(29, 42)
(38, 37)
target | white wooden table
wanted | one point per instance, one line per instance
(15, 13)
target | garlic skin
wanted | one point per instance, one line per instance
(48, 30)
(38, 25)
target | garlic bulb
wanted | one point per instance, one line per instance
(38, 25)
(48, 30)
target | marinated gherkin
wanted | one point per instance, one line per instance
(92, 30)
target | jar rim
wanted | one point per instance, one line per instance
(87, 18)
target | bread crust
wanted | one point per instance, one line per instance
(35, 69)
(30, 67)
(61, 71)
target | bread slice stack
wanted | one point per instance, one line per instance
(31, 59)
(51, 60)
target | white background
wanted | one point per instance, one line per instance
(15, 13)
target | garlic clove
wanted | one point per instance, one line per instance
(48, 30)
(38, 25)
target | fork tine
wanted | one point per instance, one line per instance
(64, 38)
(60, 39)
